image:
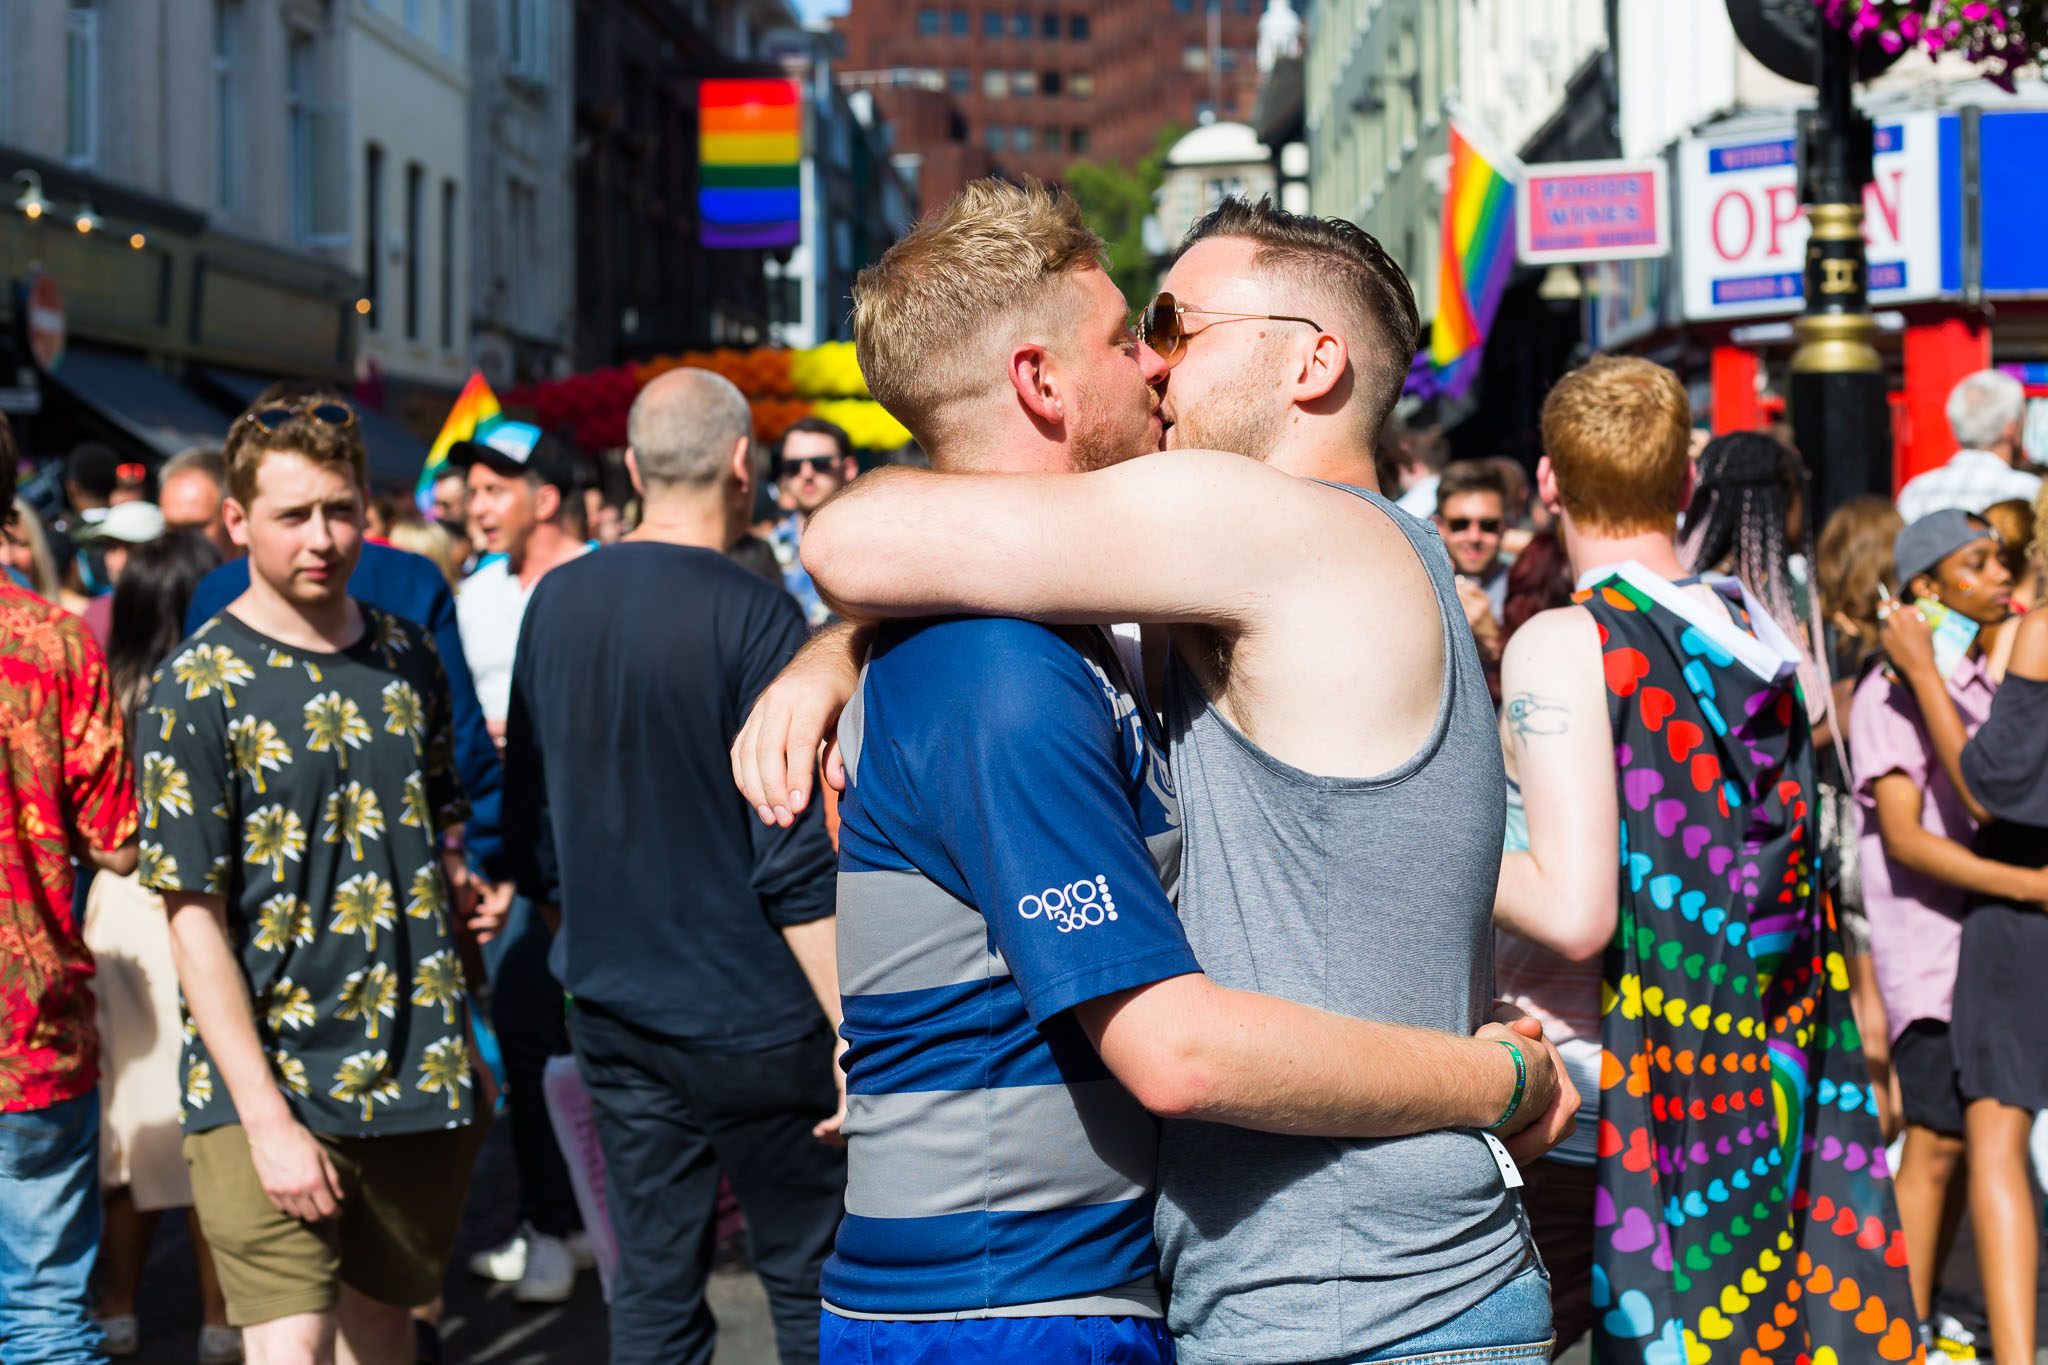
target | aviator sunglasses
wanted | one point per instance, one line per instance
(1487, 525)
(1160, 324)
(327, 414)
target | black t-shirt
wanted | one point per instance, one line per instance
(309, 791)
(636, 666)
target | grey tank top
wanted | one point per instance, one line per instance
(1369, 897)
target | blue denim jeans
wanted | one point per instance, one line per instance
(49, 1233)
(1510, 1326)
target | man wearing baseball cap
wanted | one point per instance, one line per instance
(1918, 867)
(120, 529)
(525, 498)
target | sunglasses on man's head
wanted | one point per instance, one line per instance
(328, 414)
(811, 464)
(1487, 525)
(1161, 327)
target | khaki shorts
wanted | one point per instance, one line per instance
(401, 1203)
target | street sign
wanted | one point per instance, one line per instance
(1570, 212)
(45, 308)
(1742, 231)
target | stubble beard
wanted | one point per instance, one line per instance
(1244, 416)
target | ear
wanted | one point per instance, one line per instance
(1923, 585)
(1323, 369)
(547, 502)
(236, 518)
(1546, 487)
(742, 464)
(633, 473)
(1031, 376)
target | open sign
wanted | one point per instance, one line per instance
(1743, 230)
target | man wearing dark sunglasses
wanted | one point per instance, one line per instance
(1471, 515)
(816, 460)
(1339, 792)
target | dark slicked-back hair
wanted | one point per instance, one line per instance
(1333, 260)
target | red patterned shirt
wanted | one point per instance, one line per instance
(65, 782)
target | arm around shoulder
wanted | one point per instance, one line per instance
(1187, 536)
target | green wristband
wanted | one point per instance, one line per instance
(1521, 1086)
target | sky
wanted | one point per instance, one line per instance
(820, 9)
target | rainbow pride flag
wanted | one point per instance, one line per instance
(1473, 265)
(475, 404)
(750, 146)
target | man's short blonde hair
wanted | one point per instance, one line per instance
(935, 318)
(1618, 431)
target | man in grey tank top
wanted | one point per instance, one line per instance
(1333, 749)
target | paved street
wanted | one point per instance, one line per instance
(482, 1323)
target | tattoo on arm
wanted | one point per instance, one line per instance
(1531, 715)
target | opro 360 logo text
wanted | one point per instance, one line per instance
(1077, 905)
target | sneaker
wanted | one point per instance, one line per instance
(505, 1262)
(219, 1345)
(1953, 1340)
(124, 1335)
(550, 1270)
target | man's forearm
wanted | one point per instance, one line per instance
(1929, 854)
(814, 945)
(217, 997)
(1255, 1061)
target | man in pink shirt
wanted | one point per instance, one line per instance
(1918, 870)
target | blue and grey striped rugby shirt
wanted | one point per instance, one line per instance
(1008, 845)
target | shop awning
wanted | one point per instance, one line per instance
(140, 399)
(396, 455)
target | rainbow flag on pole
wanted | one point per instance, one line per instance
(750, 144)
(1477, 254)
(475, 404)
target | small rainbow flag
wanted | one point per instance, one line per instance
(475, 404)
(750, 136)
(1473, 264)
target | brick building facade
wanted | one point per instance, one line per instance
(1027, 87)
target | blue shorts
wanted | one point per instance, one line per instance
(994, 1341)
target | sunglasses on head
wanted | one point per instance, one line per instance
(327, 414)
(1488, 525)
(1160, 324)
(815, 464)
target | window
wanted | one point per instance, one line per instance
(413, 17)
(415, 211)
(1205, 111)
(959, 80)
(1077, 141)
(81, 83)
(1020, 25)
(1051, 138)
(1077, 27)
(956, 22)
(227, 105)
(995, 84)
(373, 231)
(526, 38)
(1081, 85)
(1049, 26)
(1023, 82)
(448, 265)
(991, 25)
(1183, 6)
(448, 27)
(1241, 6)
(318, 139)
(1022, 138)
(1194, 57)
(1049, 82)
(997, 137)
(928, 22)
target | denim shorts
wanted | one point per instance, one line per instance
(1510, 1326)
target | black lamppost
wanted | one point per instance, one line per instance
(1840, 419)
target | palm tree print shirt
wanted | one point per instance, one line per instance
(309, 792)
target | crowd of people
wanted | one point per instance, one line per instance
(1082, 902)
